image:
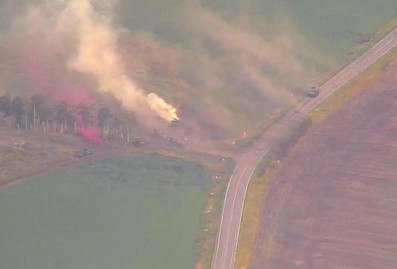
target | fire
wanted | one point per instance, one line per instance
(81, 31)
(97, 55)
(164, 110)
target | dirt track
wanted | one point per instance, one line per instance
(334, 204)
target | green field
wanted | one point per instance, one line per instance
(135, 212)
(240, 60)
(330, 27)
(225, 49)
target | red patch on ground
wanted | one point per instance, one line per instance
(45, 82)
(90, 134)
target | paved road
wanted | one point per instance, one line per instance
(227, 240)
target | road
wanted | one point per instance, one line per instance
(229, 229)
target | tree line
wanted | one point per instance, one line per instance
(36, 113)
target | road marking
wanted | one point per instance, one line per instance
(241, 218)
(221, 224)
(231, 215)
(332, 85)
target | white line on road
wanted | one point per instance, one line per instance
(234, 250)
(329, 87)
(223, 215)
(231, 215)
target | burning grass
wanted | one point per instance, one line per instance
(240, 81)
(210, 73)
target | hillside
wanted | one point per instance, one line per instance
(225, 66)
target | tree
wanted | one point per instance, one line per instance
(124, 122)
(46, 113)
(5, 105)
(18, 108)
(104, 118)
(63, 116)
(36, 103)
(85, 112)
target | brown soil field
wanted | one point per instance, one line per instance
(334, 203)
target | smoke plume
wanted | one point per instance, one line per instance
(227, 70)
(78, 26)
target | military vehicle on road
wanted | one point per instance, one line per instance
(314, 92)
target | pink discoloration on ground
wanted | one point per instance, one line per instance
(46, 83)
(89, 134)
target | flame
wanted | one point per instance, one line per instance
(97, 55)
(164, 110)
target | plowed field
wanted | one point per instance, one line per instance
(334, 204)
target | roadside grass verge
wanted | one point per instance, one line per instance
(211, 215)
(17, 162)
(359, 50)
(270, 166)
(257, 132)
(259, 185)
(142, 206)
(265, 173)
(44, 153)
(240, 143)
(221, 169)
(353, 88)
(381, 33)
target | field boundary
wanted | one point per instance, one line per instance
(243, 262)
(265, 173)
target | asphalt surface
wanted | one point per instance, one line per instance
(225, 250)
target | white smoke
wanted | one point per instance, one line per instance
(90, 32)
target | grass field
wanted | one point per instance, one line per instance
(318, 35)
(266, 172)
(331, 208)
(241, 60)
(335, 27)
(257, 191)
(134, 212)
(330, 26)
(353, 88)
(256, 195)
